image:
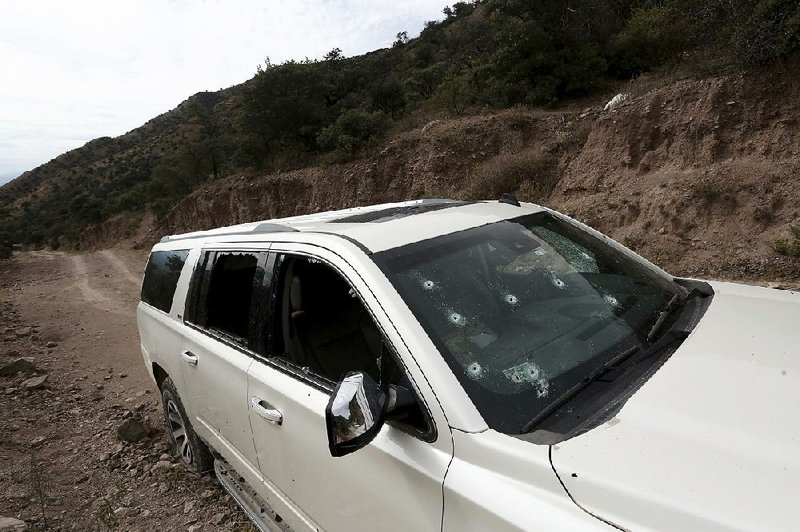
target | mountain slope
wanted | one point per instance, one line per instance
(701, 175)
(316, 134)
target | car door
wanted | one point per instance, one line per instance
(394, 483)
(221, 308)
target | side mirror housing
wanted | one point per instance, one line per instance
(355, 413)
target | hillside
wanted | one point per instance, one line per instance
(500, 95)
(55, 202)
(702, 176)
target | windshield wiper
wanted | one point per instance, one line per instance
(573, 391)
(679, 330)
(675, 333)
(671, 306)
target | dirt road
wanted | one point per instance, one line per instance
(63, 465)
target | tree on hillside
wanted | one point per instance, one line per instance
(205, 148)
(400, 39)
(352, 130)
(389, 95)
(284, 107)
(334, 55)
(455, 92)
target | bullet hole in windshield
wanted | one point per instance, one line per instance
(428, 285)
(530, 373)
(558, 283)
(511, 299)
(611, 300)
(457, 319)
(475, 370)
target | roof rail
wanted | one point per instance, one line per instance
(509, 198)
(266, 227)
(269, 227)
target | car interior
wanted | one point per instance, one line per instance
(326, 328)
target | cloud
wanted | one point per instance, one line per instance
(74, 71)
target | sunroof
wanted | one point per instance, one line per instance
(394, 213)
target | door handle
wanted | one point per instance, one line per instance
(189, 357)
(266, 410)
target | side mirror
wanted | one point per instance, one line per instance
(355, 413)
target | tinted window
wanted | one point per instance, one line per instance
(230, 293)
(161, 278)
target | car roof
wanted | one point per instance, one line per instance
(375, 228)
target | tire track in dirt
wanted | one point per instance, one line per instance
(121, 267)
(89, 294)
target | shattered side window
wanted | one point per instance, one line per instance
(230, 293)
(523, 309)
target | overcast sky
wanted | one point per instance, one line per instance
(74, 71)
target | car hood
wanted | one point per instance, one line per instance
(712, 440)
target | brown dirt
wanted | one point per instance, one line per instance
(58, 445)
(701, 176)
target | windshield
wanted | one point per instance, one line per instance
(525, 309)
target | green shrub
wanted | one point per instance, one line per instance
(651, 36)
(352, 130)
(455, 93)
(390, 96)
(508, 172)
(771, 31)
(787, 246)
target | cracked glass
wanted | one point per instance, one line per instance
(523, 309)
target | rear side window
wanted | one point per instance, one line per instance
(161, 277)
(226, 295)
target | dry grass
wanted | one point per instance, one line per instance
(789, 247)
(535, 172)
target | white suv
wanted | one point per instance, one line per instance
(443, 365)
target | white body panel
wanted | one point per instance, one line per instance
(712, 441)
(497, 482)
(161, 341)
(395, 483)
(380, 483)
(215, 394)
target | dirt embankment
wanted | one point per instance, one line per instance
(72, 378)
(699, 175)
(432, 161)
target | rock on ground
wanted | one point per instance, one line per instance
(26, 365)
(131, 430)
(34, 383)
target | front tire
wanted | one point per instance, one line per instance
(194, 454)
